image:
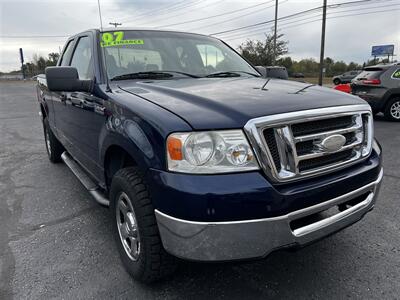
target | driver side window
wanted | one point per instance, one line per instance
(82, 58)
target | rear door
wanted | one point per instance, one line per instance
(348, 76)
(395, 78)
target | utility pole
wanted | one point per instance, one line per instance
(275, 29)
(21, 57)
(115, 24)
(321, 58)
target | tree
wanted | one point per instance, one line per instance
(53, 58)
(261, 53)
(287, 62)
(39, 63)
(353, 66)
(309, 67)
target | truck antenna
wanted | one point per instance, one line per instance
(108, 88)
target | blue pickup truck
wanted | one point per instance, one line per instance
(198, 156)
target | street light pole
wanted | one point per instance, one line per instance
(275, 29)
(321, 58)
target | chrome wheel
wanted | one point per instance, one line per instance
(127, 226)
(47, 140)
(395, 110)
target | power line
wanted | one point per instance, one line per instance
(304, 23)
(164, 10)
(259, 30)
(349, 15)
(219, 15)
(237, 17)
(292, 15)
(338, 12)
(184, 13)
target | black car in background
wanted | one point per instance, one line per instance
(345, 77)
(380, 86)
(297, 75)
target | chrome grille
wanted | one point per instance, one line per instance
(309, 143)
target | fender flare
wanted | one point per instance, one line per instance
(134, 141)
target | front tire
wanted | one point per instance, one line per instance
(336, 81)
(53, 146)
(135, 228)
(392, 110)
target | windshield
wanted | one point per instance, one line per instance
(128, 52)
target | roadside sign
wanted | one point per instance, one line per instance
(382, 50)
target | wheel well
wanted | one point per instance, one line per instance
(394, 96)
(389, 99)
(116, 158)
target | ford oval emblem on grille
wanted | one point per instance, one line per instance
(333, 142)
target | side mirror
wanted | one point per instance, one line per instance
(66, 79)
(262, 70)
(273, 72)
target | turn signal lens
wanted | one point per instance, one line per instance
(174, 146)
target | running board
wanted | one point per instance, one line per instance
(86, 181)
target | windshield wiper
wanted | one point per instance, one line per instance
(182, 73)
(230, 74)
(151, 75)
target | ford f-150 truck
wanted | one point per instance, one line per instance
(197, 155)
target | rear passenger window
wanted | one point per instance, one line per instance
(82, 58)
(396, 74)
(67, 54)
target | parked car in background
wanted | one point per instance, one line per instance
(298, 75)
(380, 86)
(345, 77)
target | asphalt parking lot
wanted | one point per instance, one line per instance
(56, 242)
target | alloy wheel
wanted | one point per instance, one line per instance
(395, 110)
(127, 226)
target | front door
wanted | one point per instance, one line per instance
(85, 111)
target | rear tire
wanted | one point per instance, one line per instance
(53, 146)
(135, 228)
(392, 110)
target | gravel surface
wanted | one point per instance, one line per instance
(55, 241)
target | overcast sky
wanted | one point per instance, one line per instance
(39, 26)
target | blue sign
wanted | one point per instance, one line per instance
(382, 50)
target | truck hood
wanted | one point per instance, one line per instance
(215, 103)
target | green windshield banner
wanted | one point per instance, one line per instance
(116, 38)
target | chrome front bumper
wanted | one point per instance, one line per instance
(224, 241)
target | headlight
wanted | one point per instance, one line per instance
(210, 152)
